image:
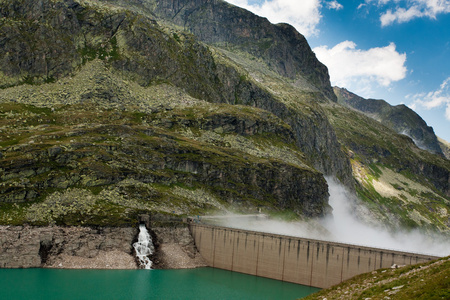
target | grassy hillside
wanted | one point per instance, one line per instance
(423, 281)
(68, 160)
(109, 111)
(401, 184)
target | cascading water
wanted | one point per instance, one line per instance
(144, 247)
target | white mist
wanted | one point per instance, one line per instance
(345, 226)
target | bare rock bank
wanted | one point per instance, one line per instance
(67, 247)
(175, 249)
(93, 248)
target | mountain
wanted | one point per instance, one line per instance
(104, 107)
(112, 109)
(423, 281)
(400, 184)
(221, 24)
(445, 146)
(400, 118)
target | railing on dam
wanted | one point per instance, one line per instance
(292, 259)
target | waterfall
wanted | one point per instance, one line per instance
(144, 247)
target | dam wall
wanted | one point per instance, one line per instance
(292, 259)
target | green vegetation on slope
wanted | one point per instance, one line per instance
(400, 183)
(112, 95)
(87, 164)
(424, 281)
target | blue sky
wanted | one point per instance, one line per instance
(396, 50)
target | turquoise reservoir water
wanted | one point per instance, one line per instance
(201, 283)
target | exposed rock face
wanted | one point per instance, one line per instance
(400, 118)
(94, 248)
(445, 146)
(175, 249)
(219, 23)
(33, 247)
(129, 163)
(138, 48)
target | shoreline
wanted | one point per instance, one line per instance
(57, 247)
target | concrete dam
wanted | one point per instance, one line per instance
(298, 260)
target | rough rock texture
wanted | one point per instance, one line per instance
(400, 118)
(139, 49)
(103, 175)
(445, 146)
(217, 22)
(175, 249)
(33, 247)
(104, 260)
(94, 248)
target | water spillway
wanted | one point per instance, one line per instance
(144, 247)
(292, 259)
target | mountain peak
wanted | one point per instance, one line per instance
(224, 25)
(400, 118)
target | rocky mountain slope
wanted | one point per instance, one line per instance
(400, 118)
(181, 157)
(115, 108)
(400, 184)
(114, 123)
(445, 146)
(424, 281)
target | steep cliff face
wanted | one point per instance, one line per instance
(400, 118)
(109, 110)
(140, 50)
(99, 46)
(218, 23)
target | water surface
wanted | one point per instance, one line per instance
(201, 283)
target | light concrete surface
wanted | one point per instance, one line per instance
(292, 259)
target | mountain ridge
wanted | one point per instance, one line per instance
(161, 85)
(221, 24)
(400, 118)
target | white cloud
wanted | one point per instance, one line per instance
(358, 69)
(433, 99)
(402, 11)
(334, 5)
(361, 5)
(303, 15)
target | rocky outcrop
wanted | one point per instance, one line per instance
(400, 118)
(224, 25)
(137, 48)
(95, 248)
(175, 248)
(104, 175)
(33, 247)
(445, 146)
(217, 22)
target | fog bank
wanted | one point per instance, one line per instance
(344, 226)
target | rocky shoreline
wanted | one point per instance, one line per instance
(92, 248)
